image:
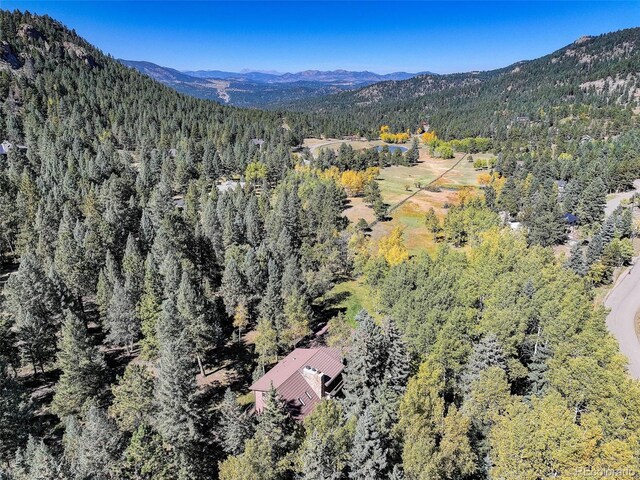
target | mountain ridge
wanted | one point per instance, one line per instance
(259, 89)
(338, 75)
(600, 72)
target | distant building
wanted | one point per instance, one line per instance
(178, 201)
(570, 219)
(561, 185)
(229, 185)
(5, 147)
(515, 225)
(302, 379)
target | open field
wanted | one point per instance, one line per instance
(398, 182)
(410, 216)
(357, 210)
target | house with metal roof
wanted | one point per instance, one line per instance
(5, 146)
(302, 379)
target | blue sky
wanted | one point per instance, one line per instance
(291, 36)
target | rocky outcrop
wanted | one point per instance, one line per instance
(80, 52)
(8, 58)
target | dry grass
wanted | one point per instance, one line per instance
(357, 210)
(410, 216)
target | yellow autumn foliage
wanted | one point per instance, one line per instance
(355, 181)
(429, 137)
(465, 194)
(392, 247)
(387, 136)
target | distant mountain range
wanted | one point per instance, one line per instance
(262, 89)
(332, 76)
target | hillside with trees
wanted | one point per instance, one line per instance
(588, 87)
(151, 240)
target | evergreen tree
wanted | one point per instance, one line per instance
(82, 368)
(232, 286)
(576, 262)
(35, 305)
(36, 338)
(366, 364)
(92, 450)
(122, 322)
(397, 366)
(235, 425)
(253, 223)
(148, 309)
(486, 353)
(368, 458)
(147, 458)
(538, 368)
(106, 280)
(132, 404)
(175, 385)
(70, 260)
(36, 462)
(254, 273)
(544, 220)
(15, 415)
(212, 229)
(276, 425)
(594, 249)
(171, 272)
(198, 319)
(325, 450)
(291, 278)
(413, 154)
(490, 197)
(317, 459)
(509, 199)
(396, 473)
(590, 207)
(133, 268)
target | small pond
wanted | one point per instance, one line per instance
(393, 148)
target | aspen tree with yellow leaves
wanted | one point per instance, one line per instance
(392, 247)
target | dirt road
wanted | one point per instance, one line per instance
(624, 302)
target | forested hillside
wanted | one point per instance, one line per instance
(150, 241)
(126, 250)
(590, 86)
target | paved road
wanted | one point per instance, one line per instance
(615, 199)
(624, 302)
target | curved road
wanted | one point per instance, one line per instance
(624, 302)
(616, 198)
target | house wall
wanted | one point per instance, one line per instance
(259, 401)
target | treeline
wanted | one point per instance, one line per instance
(347, 158)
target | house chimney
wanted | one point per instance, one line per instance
(315, 379)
